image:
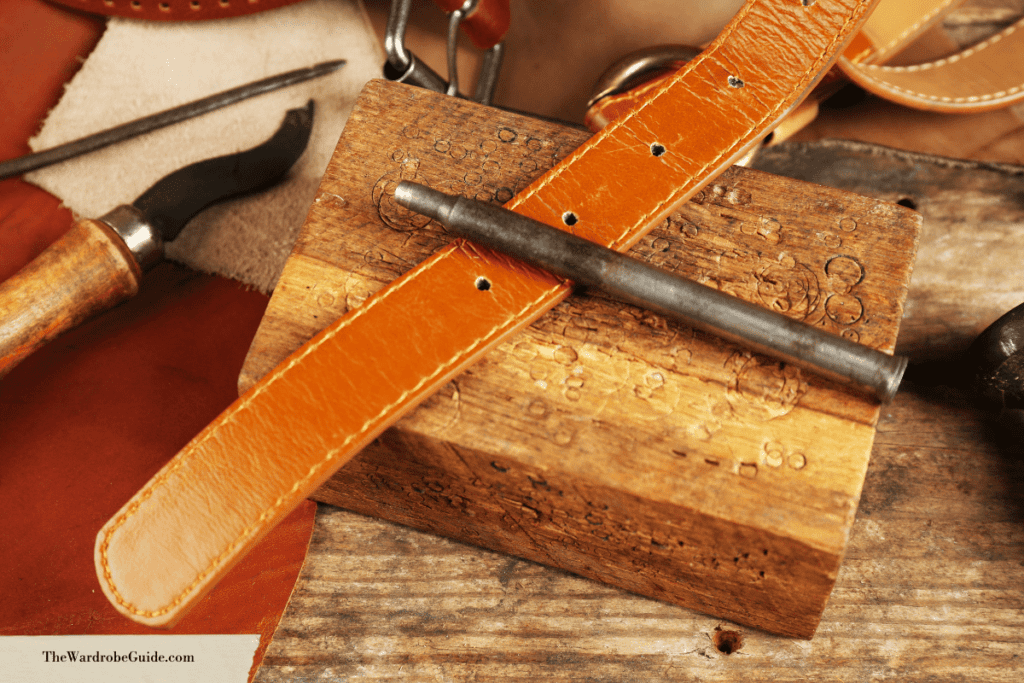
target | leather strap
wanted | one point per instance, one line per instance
(486, 24)
(173, 10)
(985, 76)
(241, 475)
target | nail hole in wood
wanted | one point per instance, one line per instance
(569, 218)
(657, 149)
(483, 284)
(727, 642)
(735, 82)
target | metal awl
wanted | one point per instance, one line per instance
(586, 263)
(146, 124)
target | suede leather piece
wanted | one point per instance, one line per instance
(143, 67)
(86, 420)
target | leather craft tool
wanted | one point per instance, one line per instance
(99, 263)
(146, 124)
(591, 265)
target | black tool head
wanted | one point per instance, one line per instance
(176, 198)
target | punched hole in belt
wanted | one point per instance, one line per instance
(570, 219)
(736, 82)
(483, 284)
(657, 149)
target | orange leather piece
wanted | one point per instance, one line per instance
(173, 10)
(242, 474)
(85, 421)
(486, 25)
(983, 77)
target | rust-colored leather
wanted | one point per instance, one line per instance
(86, 421)
(242, 474)
(173, 10)
(983, 77)
(486, 25)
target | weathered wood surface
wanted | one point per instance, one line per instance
(972, 228)
(605, 440)
(930, 589)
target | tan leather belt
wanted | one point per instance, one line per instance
(213, 501)
(982, 77)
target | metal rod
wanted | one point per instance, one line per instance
(146, 124)
(589, 264)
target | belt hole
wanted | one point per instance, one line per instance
(735, 82)
(657, 149)
(807, 3)
(483, 284)
(570, 219)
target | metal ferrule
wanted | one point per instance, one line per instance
(589, 264)
(141, 238)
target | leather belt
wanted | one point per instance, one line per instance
(485, 24)
(983, 77)
(241, 475)
(173, 10)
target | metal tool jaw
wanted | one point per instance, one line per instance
(404, 67)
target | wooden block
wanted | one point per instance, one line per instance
(605, 440)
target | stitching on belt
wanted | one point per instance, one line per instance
(876, 73)
(208, 433)
(925, 19)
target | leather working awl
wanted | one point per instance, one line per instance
(99, 263)
(170, 544)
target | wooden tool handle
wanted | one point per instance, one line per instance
(85, 272)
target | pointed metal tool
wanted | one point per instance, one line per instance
(99, 263)
(125, 131)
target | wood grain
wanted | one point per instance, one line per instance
(85, 272)
(605, 440)
(930, 589)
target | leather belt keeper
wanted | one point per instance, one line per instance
(240, 476)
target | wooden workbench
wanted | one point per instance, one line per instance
(930, 588)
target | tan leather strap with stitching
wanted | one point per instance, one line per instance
(239, 477)
(986, 76)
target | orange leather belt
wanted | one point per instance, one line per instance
(241, 475)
